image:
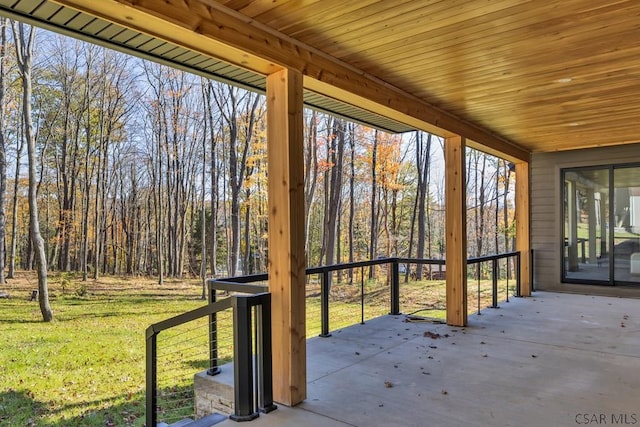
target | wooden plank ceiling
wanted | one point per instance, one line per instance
(544, 74)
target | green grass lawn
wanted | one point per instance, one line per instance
(87, 367)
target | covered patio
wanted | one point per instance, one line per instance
(545, 85)
(550, 360)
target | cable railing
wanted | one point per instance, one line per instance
(338, 295)
(400, 294)
(485, 276)
(198, 335)
(360, 294)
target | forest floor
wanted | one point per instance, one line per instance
(87, 367)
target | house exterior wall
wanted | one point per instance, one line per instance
(546, 210)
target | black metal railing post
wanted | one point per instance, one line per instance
(152, 332)
(242, 361)
(362, 295)
(151, 377)
(518, 276)
(324, 303)
(264, 357)
(395, 287)
(533, 287)
(508, 263)
(494, 283)
(214, 369)
(478, 279)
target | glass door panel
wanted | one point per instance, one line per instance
(626, 237)
(586, 225)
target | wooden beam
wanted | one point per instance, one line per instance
(175, 24)
(286, 235)
(208, 27)
(522, 226)
(408, 109)
(456, 231)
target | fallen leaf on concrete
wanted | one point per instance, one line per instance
(444, 392)
(432, 335)
(388, 384)
(534, 356)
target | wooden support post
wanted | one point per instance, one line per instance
(286, 235)
(456, 230)
(522, 226)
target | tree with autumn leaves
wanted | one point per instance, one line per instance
(140, 169)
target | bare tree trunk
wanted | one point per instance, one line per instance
(85, 218)
(374, 194)
(87, 175)
(335, 153)
(237, 157)
(505, 200)
(235, 175)
(352, 209)
(423, 189)
(97, 206)
(505, 214)
(215, 198)
(311, 172)
(210, 124)
(24, 51)
(203, 218)
(481, 207)
(3, 149)
(246, 258)
(159, 218)
(496, 219)
(14, 211)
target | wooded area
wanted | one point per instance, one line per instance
(141, 169)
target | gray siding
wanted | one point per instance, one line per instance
(546, 204)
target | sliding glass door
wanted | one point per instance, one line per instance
(601, 233)
(626, 231)
(586, 225)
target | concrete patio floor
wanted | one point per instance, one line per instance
(550, 360)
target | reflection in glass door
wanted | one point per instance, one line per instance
(586, 225)
(626, 231)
